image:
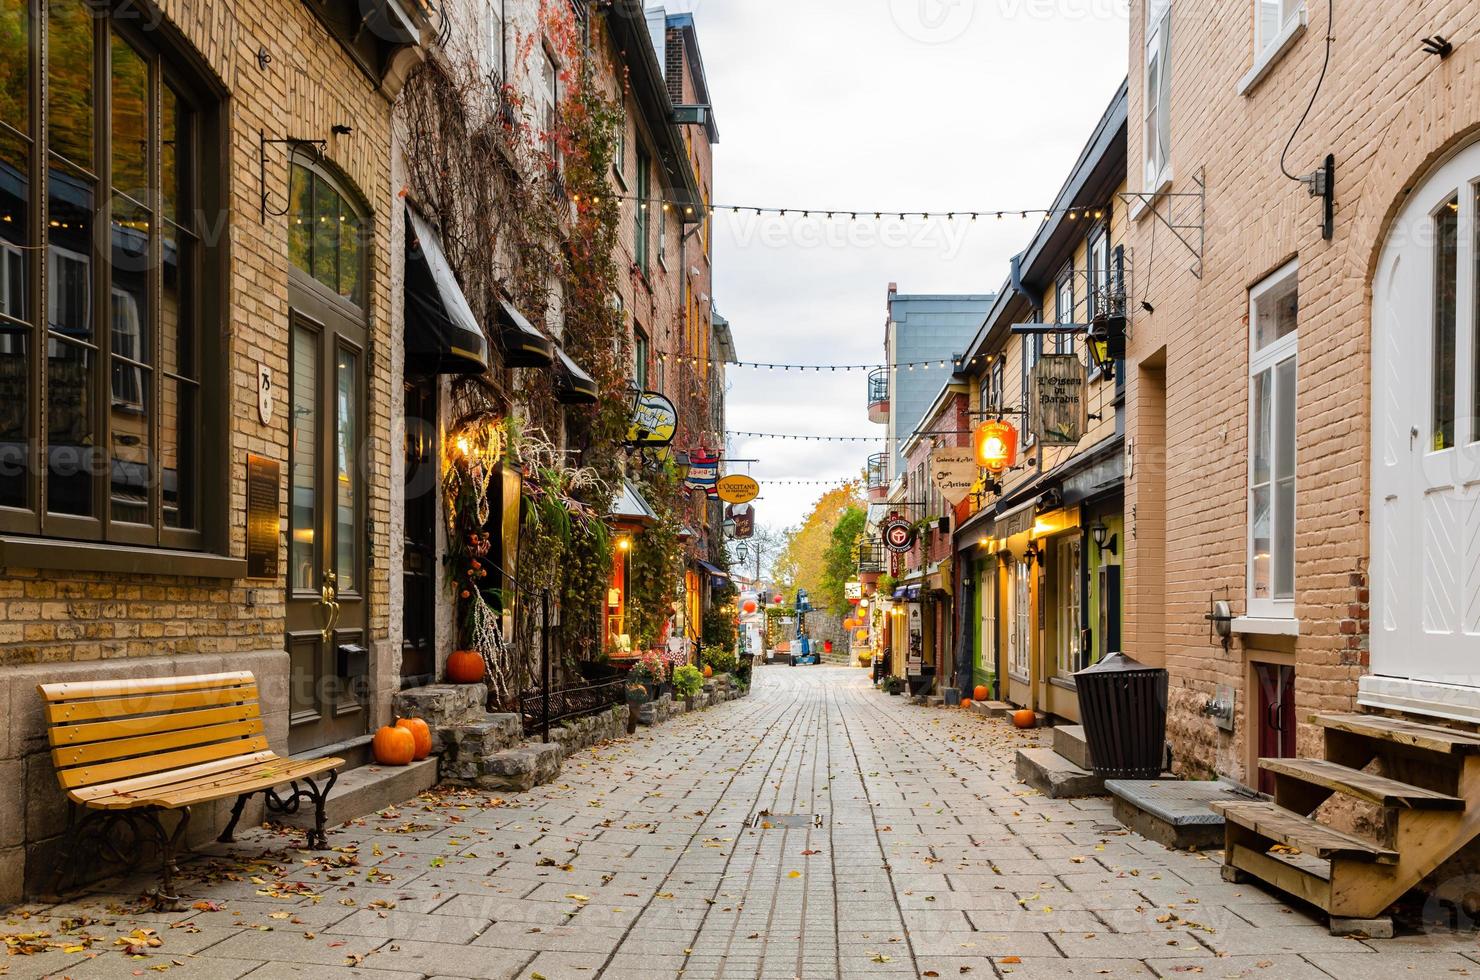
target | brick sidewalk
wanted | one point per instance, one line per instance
(817, 829)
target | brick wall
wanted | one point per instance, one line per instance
(1387, 111)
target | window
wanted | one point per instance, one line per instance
(1446, 323)
(987, 595)
(1063, 343)
(1158, 92)
(1271, 19)
(619, 155)
(1020, 631)
(496, 60)
(1032, 350)
(660, 215)
(641, 233)
(1273, 320)
(640, 355)
(999, 381)
(116, 426)
(1069, 606)
(549, 104)
(326, 237)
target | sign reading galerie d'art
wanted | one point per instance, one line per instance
(953, 471)
(654, 421)
(1059, 416)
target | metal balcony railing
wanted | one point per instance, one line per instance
(878, 471)
(878, 386)
(871, 557)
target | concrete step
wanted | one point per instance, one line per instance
(1055, 776)
(1068, 741)
(365, 790)
(1174, 813)
(991, 709)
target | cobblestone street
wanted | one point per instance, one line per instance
(816, 829)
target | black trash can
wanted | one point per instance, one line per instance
(1124, 707)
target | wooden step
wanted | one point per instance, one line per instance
(1293, 830)
(1362, 785)
(1431, 738)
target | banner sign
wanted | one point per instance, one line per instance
(1059, 416)
(703, 473)
(654, 421)
(954, 473)
(898, 534)
(738, 489)
(743, 516)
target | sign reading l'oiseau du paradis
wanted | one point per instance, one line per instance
(1059, 407)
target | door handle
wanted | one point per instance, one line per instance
(329, 603)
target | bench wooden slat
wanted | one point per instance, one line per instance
(157, 780)
(159, 762)
(72, 690)
(121, 748)
(95, 731)
(146, 704)
(261, 773)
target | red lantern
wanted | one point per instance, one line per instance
(996, 446)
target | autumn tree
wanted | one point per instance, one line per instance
(805, 557)
(840, 561)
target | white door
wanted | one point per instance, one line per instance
(1425, 574)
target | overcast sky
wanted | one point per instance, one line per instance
(877, 105)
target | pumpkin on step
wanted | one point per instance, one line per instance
(393, 746)
(980, 694)
(966, 703)
(421, 733)
(708, 671)
(1024, 718)
(464, 667)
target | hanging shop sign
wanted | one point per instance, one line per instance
(703, 473)
(1059, 388)
(898, 534)
(953, 472)
(853, 590)
(654, 421)
(996, 446)
(738, 489)
(743, 516)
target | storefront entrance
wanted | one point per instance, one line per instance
(419, 541)
(326, 601)
(1425, 582)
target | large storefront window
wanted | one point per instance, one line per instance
(100, 303)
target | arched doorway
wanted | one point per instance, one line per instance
(327, 592)
(1425, 574)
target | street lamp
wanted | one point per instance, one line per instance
(1104, 540)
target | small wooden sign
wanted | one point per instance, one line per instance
(1059, 400)
(264, 499)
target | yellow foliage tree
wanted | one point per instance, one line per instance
(804, 561)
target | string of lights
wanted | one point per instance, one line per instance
(851, 214)
(803, 438)
(938, 363)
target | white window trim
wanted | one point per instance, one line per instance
(1274, 50)
(1267, 359)
(1071, 598)
(1158, 42)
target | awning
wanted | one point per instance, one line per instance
(907, 593)
(523, 345)
(1016, 520)
(713, 570)
(631, 508)
(572, 385)
(442, 334)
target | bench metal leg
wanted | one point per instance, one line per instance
(228, 836)
(169, 848)
(316, 838)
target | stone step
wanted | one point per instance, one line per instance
(991, 709)
(491, 733)
(442, 705)
(1069, 742)
(1055, 776)
(365, 790)
(1174, 813)
(520, 769)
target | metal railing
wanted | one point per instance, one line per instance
(878, 386)
(878, 471)
(540, 709)
(871, 557)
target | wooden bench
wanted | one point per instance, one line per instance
(128, 751)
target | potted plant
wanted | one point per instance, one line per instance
(648, 671)
(687, 682)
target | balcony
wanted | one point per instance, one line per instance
(872, 558)
(878, 477)
(878, 395)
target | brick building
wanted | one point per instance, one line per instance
(1300, 423)
(231, 322)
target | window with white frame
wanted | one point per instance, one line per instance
(1158, 92)
(999, 381)
(1063, 308)
(1070, 602)
(1274, 307)
(549, 103)
(1271, 19)
(987, 590)
(1032, 350)
(1019, 636)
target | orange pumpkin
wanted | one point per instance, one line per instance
(708, 671)
(981, 692)
(394, 746)
(1024, 718)
(464, 667)
(421, 732)
(966, 703)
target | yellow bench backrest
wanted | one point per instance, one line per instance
(104, 731)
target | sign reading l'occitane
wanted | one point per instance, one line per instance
(738, 489)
